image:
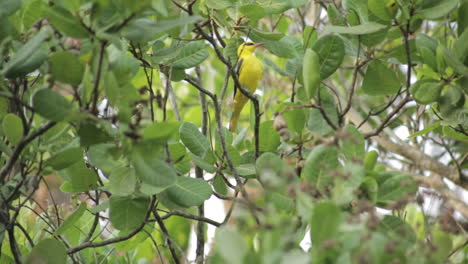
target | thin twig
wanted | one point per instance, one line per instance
(94, 109)
(19, 148)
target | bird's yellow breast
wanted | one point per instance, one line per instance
(251, 72)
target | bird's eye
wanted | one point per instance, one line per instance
(249, 44)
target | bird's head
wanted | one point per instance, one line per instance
(248, 47)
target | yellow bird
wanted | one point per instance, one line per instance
(250, 71)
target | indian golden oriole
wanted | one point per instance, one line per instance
(250, 71)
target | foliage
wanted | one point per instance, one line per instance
(113, 134)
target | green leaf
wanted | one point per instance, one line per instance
(370, 188)
(325, 222)
(124, 68)
(13, 128)
(194, 140)
(397, 229)
(66, 68)
(51, 105)
(269, 137)
(144, 29)
(380, 80)
(317, 123)
(460, 48)
(295, 118)
(65, 158)
(426, 91)
(32, 12)
(50, 251)
(320, 161)
(443, 243)
(153, 171)
(191, 55)
(426, 130)
(462, 19)
(122, 181)
(230, 245)
(437, 11)
(71, 220)
(451, 133)
(267, 35)
(353, 143)
(273, 172)
(102, 156)
(219, 185)
(28, 58)
(218, 4)
(162, 131)
(454, 62)
(394, 188)
(91, 134)
(296, 3)
(246, 170)
(252, 11)
(370, 160)
(80, 177)
(162, 55)
(381, 9)
(127, 213)
(331, 51)
(187, 192)
(282, 48)
(203, 164)
(311, 72)
(280, 201)
(65, 22)
(4, 105)
(363, 29)
(9, 7)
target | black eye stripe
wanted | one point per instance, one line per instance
(249, 44)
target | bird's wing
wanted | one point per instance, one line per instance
(238, 70)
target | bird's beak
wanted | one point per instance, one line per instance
(259, 44)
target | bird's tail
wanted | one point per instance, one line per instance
(234, 120)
